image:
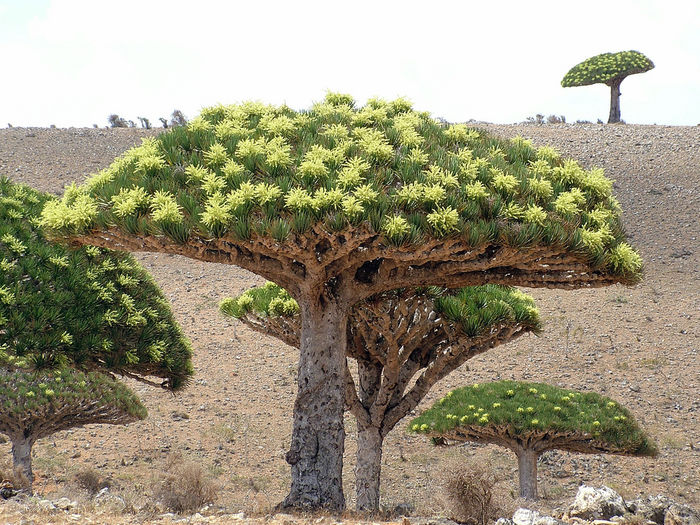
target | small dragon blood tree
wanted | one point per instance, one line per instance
(609, 69)
(339, 203)
(62, 311)
(38, 404)
(403, 341)
(531, 418)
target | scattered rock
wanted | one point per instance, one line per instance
(597, 504)
(681, 515)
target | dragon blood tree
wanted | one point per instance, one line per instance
(531, 418)
(38, 404)
(339, 203)
(403, 342)
(609, 69)
(60, 311)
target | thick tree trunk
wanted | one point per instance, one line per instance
(22, 458)
(614, 101)
(368, 468)
(527, 472)
(318, 436)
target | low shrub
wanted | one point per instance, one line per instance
(185, 487)
(471, 494)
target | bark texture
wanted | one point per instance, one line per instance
(614, 116)
(318, 435)
(527, 473)
(368, 467)
(22, 457)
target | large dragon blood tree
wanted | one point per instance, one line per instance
(609, 69)
(532, 418)
(403, 342)
(339, 203)
(69, 320)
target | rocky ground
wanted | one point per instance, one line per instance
(637, 345)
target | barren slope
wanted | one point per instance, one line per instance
(638, 345)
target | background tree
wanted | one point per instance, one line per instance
(398, 338)
(145, 123)
(38, 404)
(61, 310)
(609, 69)
(92, 308)
(531, 418)
(116, 121)
(339, 203)
(177, 118)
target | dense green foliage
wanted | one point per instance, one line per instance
(90, 308)
(604, 68)
(522, 408)
(23, 394)
(475, 309)
(256, 170)
(269, 299)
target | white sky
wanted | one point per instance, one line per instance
(74, 62)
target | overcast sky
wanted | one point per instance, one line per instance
(74, 62)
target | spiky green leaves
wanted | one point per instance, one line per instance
(26, 394)
(606, 67)
(253, 169)
(475, 310)
(519, 408)
(269, 300)
(478, 309)
(91, 307)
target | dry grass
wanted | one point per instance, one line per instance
(185, 487)
(472, 494)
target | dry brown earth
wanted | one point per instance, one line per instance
(637, 345)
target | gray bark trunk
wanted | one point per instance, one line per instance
(368, 468)
(318, 436)
(527, 472)
(22, 458)
(614, 102)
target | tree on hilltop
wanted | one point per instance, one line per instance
(68, 322)
(531, 418)
(609, 69)
(403, 342)
(339, 203)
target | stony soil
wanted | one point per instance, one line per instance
(637, 345)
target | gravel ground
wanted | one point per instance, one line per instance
(637, 345)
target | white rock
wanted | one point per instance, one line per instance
(65, 504)
(597, 504)
(46, 504)
(532, 517)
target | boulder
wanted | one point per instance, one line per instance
(651, 508)
(681, 515)
(532, 517)
(597, 504)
